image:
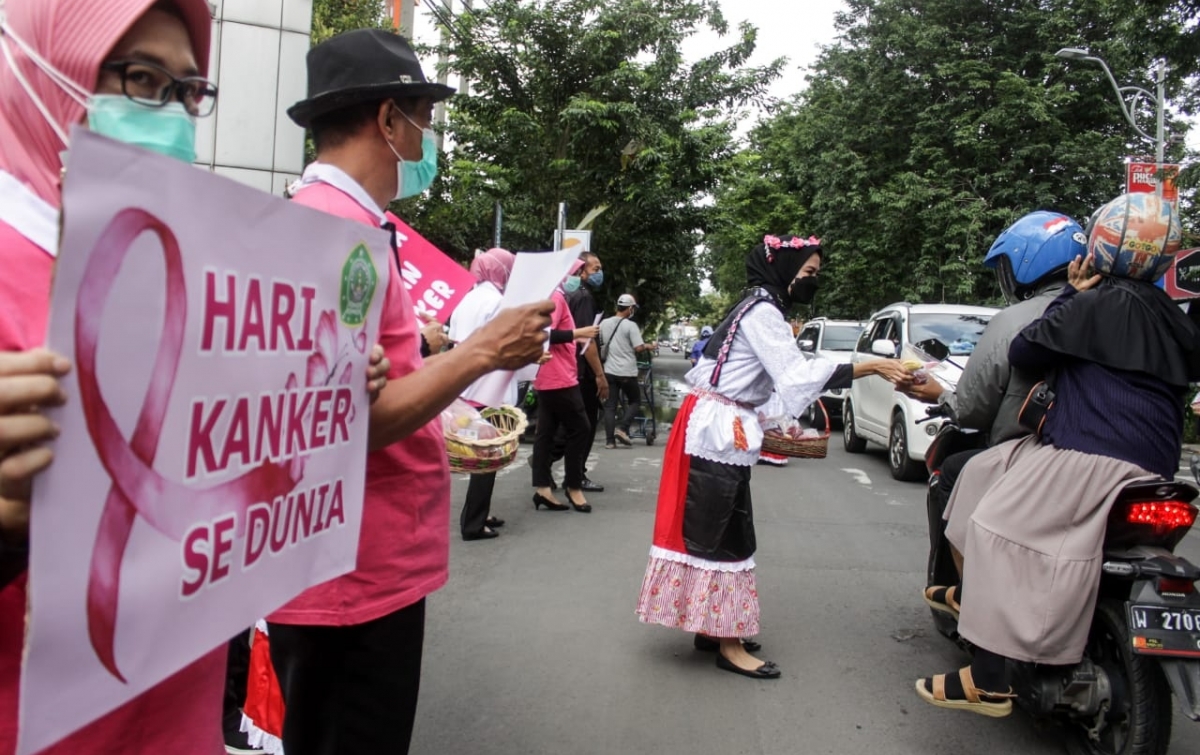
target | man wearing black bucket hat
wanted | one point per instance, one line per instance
(348, 652)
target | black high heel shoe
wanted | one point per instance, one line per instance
(539, 501)
(583, 508)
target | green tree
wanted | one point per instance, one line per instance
(932, 124)
(332, 17)
(591, 102)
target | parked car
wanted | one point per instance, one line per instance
(873, 411)
(831, 339)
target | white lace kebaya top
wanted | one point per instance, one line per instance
(724, 427)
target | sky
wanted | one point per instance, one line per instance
(775, 39)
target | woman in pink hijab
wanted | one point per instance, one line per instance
(491, 269)
(64, 62)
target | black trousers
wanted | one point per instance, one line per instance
(592, 407)
(560, 408)
(632, 391)
(237, 673)
(952, 467)
(350, 689)
(478, 505)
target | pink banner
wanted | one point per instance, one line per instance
(435, 282)
(213, 449)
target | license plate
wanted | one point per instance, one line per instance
(1165, 630)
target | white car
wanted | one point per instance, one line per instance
(831, 339)
(874, 411)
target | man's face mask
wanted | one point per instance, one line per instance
(413, 178)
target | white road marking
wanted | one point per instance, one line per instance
(859, 476)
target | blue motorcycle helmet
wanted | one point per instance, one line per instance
(1034, 252)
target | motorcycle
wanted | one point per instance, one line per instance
(1144, 643)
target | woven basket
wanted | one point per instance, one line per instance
(487, 456)
(800, 448)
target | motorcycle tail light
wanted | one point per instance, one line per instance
(1163, 516)
(1175, 586)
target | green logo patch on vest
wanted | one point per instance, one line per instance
(359, 279)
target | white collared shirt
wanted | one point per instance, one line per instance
(339, 179)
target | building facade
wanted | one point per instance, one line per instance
(249, 138)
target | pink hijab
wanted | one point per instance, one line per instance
(494, 266)
(74, 36)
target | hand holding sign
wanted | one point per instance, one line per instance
(516, 336)
(28, 383)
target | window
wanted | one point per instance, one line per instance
(840, 337)
(883, 328)
(945, 334)
(812, 333)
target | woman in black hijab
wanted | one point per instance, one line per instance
(701, 573)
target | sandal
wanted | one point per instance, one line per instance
(938, 598)
(768, 670)
(998, 705)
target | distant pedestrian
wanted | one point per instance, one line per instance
(593, 386)
(698, 348)
(620, 344)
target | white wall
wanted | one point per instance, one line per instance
(257, 61)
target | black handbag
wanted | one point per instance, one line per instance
(1036, 408)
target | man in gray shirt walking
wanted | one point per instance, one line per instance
(620, 342)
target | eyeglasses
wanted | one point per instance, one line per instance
(153, 86)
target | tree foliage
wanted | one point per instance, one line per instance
(930, 125)
(332, 17)
(591, 102)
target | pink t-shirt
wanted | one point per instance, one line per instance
(404, 547)
(561, 371)
(181, 714)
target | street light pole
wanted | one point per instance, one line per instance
(1159, 98)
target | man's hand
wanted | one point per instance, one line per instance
(28, 383)
(929, 391)
(1080, 275)
(434, 334)
(377, 370)
(602, 387)
(516, 337)
(590, 331)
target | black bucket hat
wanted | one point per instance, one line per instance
(361, 66)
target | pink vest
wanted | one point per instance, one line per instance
(404, 548)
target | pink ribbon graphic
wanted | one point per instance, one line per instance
(137, 489)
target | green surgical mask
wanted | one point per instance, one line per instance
(572, 284)
(168, 130)
(417, 177)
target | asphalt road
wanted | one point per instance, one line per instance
(533, 647)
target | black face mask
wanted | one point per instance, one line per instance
(803, 290)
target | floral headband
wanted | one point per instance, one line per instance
(771, 243)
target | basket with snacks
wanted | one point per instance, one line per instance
(806, 437)
(481, 441)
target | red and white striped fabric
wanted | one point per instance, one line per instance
(262, 716)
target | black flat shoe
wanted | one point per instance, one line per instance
(709, 645)
(766, 671)
(592, 487)
(483, 534)
(540, 501)
(493, 522)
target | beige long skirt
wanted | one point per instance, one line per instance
(1030, 520)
